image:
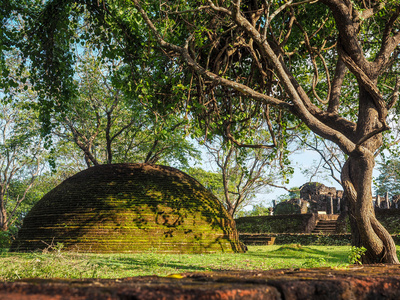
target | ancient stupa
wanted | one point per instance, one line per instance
(129, 208)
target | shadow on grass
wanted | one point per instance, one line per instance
(149, 264)
(302, 253)
(298, 249)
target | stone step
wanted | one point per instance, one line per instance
(324, 231)
(256, 239)
(327, 221)
(325, 226)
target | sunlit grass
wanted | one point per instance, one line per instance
(60, 264)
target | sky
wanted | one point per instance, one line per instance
(301, 160)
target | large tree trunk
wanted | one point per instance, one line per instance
(357, 182)
(365, 228)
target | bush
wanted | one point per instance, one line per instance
(6, 237)
(299, 223)
(313, 239)
(287, 208)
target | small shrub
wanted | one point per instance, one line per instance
(314, 263)
(355, 255)
(5, 239)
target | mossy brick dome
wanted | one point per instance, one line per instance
(129, 208)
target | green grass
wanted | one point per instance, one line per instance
(58, 264)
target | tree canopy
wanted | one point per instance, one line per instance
(239, 67)
(312, 63)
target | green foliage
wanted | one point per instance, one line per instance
(389, 178)
(210, 180)
(312, 239)
(110, 123)
(5, 239)
(101, 85)
(287, 208)
(275, 224)
(356, 253)
(259, 209)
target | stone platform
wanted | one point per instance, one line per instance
(364, 282)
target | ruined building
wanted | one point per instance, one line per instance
(129, 208)
(318, 198)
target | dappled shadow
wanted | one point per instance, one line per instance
(130, 208)
(298, 249)
(133, 264)
(299, 252)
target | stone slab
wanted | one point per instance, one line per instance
(363, 282)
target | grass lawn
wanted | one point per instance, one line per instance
(58, 264)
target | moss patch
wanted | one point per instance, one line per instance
(129, 208)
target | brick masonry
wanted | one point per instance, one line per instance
(129, 208)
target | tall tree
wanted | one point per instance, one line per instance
(244, 172)
(388, 180)
(21, 159)
(364, 43)
(286, 61)
(111, 125)
(21, 148)
(110, 109)
(22, 152)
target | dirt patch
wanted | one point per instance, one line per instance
(367, 282)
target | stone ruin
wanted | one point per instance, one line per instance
(318, 198)
(129, 208)
(386, 203)
(321, 198)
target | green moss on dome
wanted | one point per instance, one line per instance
(129, 208)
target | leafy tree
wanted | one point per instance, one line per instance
(22, 157)
(389, 177)
(244, 172)
(209, 179)
(293, 193)
(109, 125)
(259, 209)
(331, 158)
(288, 62)
(22, 154)
(339, 39)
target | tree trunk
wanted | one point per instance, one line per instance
(3, 219)
(3, 212)
(365, 228)
(357, 182)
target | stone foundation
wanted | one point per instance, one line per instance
(359, 282)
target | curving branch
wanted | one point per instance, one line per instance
(183, 51)
(390, 42)
(337, 82)
(302, 104)
(367, 83)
